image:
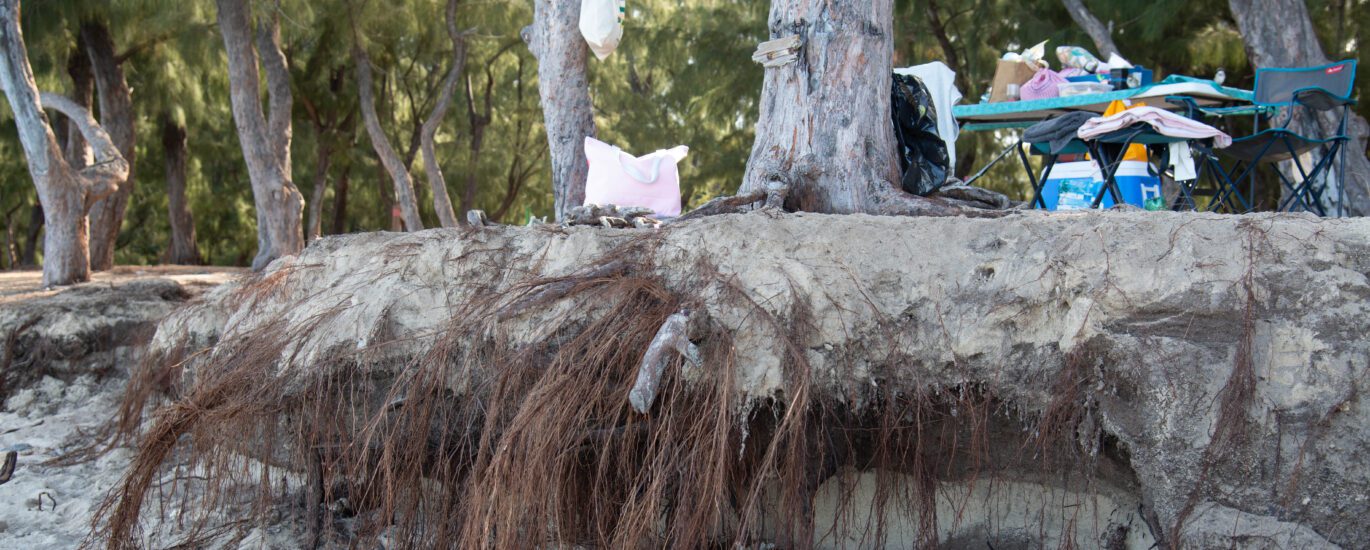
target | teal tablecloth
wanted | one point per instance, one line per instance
(1059, 103)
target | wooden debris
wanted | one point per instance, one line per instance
(778, 52)
(612, 216)
(7, 467)
(477, 218)
(559, 289)
(673, 336)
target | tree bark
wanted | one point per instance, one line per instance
(824, 128)
(266, 144)
(117, 116)
(183, 250)
(340, 203)
(1097, 31)
(554, 39)
(442, 203)
(11, 252)
(1289, 40)
(78, 152)
(480, 120)
(322, 162)
(65, 192)
(29, 255)
(394, 165)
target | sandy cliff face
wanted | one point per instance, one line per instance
(1108, 379)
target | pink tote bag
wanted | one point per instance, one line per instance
(618, 178)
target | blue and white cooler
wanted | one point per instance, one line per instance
(1073, 186)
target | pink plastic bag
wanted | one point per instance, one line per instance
(617, 178)
(1043, 85)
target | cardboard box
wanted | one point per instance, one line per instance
(1009, 72)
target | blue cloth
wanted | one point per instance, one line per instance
(1010, 107)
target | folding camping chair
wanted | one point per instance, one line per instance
(1316, 89)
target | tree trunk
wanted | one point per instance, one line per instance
(480, 120)
(1097, 31)
(11, 252)
(29, 256)
(266, 144)
(340, 203)
(1290, 41)
(394, 165)
(554, 39)
(117, 116)
(824, 128)
(442, 203)
(66, 194)
(183, 249)
(78, 152)
(322, 162)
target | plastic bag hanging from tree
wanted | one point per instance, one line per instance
(601, 23)
(922, 152)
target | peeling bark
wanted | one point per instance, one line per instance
(118, 118)
(555, 40)
(824, 128)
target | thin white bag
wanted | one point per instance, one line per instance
(601, 23)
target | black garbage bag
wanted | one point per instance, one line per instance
(923, 160)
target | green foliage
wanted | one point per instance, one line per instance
(681, 76)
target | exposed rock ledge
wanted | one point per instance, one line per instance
(1198, 372)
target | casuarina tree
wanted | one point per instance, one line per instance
(824, 128)
(554, 38)
(66, 192)
(265, 141)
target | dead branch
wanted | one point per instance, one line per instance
(673, 336)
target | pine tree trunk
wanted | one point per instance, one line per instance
(1289, 40)
(183, 250)
(117, 117)
(29, 257)
(78, 152)
(555, 40)
(266, 144)
(65, 193)
(1097, 31)
(322, 162)
(340, 203)
(397, 169)
(824, 128)
(442, 203)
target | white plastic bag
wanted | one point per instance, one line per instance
(601, 23)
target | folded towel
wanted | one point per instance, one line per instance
(1057, 131)
(1163, 122)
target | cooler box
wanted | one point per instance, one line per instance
(1073, 186)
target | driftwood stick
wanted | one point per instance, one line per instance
(558, 289)
(673, 336)
(7, 467)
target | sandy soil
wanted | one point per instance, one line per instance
(25, 284)
(46, 506)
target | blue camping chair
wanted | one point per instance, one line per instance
(1316, 89)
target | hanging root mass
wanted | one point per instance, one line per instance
(480, 443)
